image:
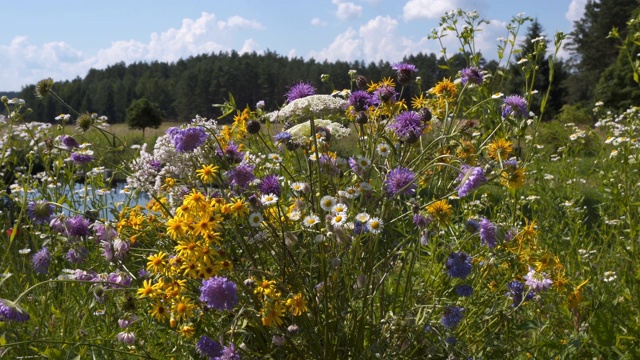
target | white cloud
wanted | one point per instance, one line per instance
(237, 22)
(347, 10)
(345, 46)
(433, 9)
(318, 22)
(249, 46)
(576, 10)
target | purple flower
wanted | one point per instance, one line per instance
(10, 311)
(77, 226)
(360, 100)
(119, 278)
(270, 185)
(105, 232)
(188, 139)
(41, 261)
(458, 265)
(452, 316)
(471, 75)
(69, 142)
(401, 181)
(241, 176)
(126, 337)
(231, 153)
(488, 233)
(537, 281)
(514, 105)
(40, 212)
(81, 158)
(421, 221)
(300, 90)
(76, 256)
(219, 293)
(229, 353)
(516, 292)
(408, 126)
(470, 177)
(472, 226)
(282, 136)
(386, 93)
(208, 348)
(405, 72)
(464, 290)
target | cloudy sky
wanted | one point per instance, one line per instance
(63, 39)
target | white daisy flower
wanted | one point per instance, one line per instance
(327, 202)
(352, 192)
(255, 219)
(295, 215)
(339, 219)
(268, 199)
(299, 187)
(339, 208)
(383, 149)
(363, 217)
(310, 220)
(374, 225)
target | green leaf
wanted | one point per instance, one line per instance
(601, 329)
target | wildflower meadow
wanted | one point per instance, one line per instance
(348, 224)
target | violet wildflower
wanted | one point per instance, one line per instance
(189, 139)
(105, 232)
(360, 100)
(283, 137)
(472, 226)
(229, 353)
(407, 126)
(41, 261)
(76, 256)
(401, 181)
(514, 105)
(458, 265)
(470, 178)
(81, 158)
(241, 176)
(488, 233)
(300, 90)
(471, 75)
(126, 337)
(40, 211)
(219, 293)
(208, 348)
(516, 293)
(537, 281)
(386, 93)
(77, 226)
(9, 311)
(57, 224)
(270, 185)
(69, 142)
(464, 290)
(420, 220)
(452, 316)
(119, 278)
(404, 72)
(231, 152)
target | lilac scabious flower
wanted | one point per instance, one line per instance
(188, 139)
(282, 137)
(514, 105)
(300, 90)
(76, 256)
(77, 226)
(405, 72)
(81, 158)
(408, 126)
(470, 178)
(458, 265)
(464, 290)
(537, 281)
(229, 353)
(105, 232)
(208, 348)
(421, 221)
(119, 278)
(471, 75)
(386, 93)
(270, 185)
(360, 100)
(452, 316)
(472, 226)
(488, 233)
(516, 293)
(231, 153)
(219, 293)
(41, 261)
(241, 176)
(401, 181)
(69, 142)
(40, 211)
(57, 224)
(10, 311)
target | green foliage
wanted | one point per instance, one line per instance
(142, 114)
(576, 114)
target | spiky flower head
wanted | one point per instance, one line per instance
(471, 75)
(514, 105)
(401, 181)
(84, 121)
(41, 261)
(470, 178)
(40, 211)
(360, 100)
(188, 139)
(219, 293)
(404, 72)
(10, 311)
(300, 90)
(408, 126)
(43, 88)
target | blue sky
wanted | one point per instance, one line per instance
(63, 39)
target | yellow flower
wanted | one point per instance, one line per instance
(238, 208)
(500, 149)
(575, 298)
(146, 290)
(419, 101)
(156, 262)
(440, 210)
(297, 304)
(187, 330)
(159, 311)
(445, 88)
(169, 183)
(182, 308)
(266, 287)
(207, 173)
(513, 179)
(175, 227)
(272, 313)
(196, 200)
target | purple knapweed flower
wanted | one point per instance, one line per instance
(231, 152)
(401, 181)
(40, 212)
(360, 100)
(458, 265)
(208, 348)
(488, 233)
(471, 75)
(537, 281)
(270, 184)
(407, 126)
(385, 94)
(41, 261)
(81, 158)
(404, 72)
(241, 176)
(514, 105)
(9, 311)
(300, 90)
(188, 139)
(219, 293)
(470, 178)
(452, 316)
